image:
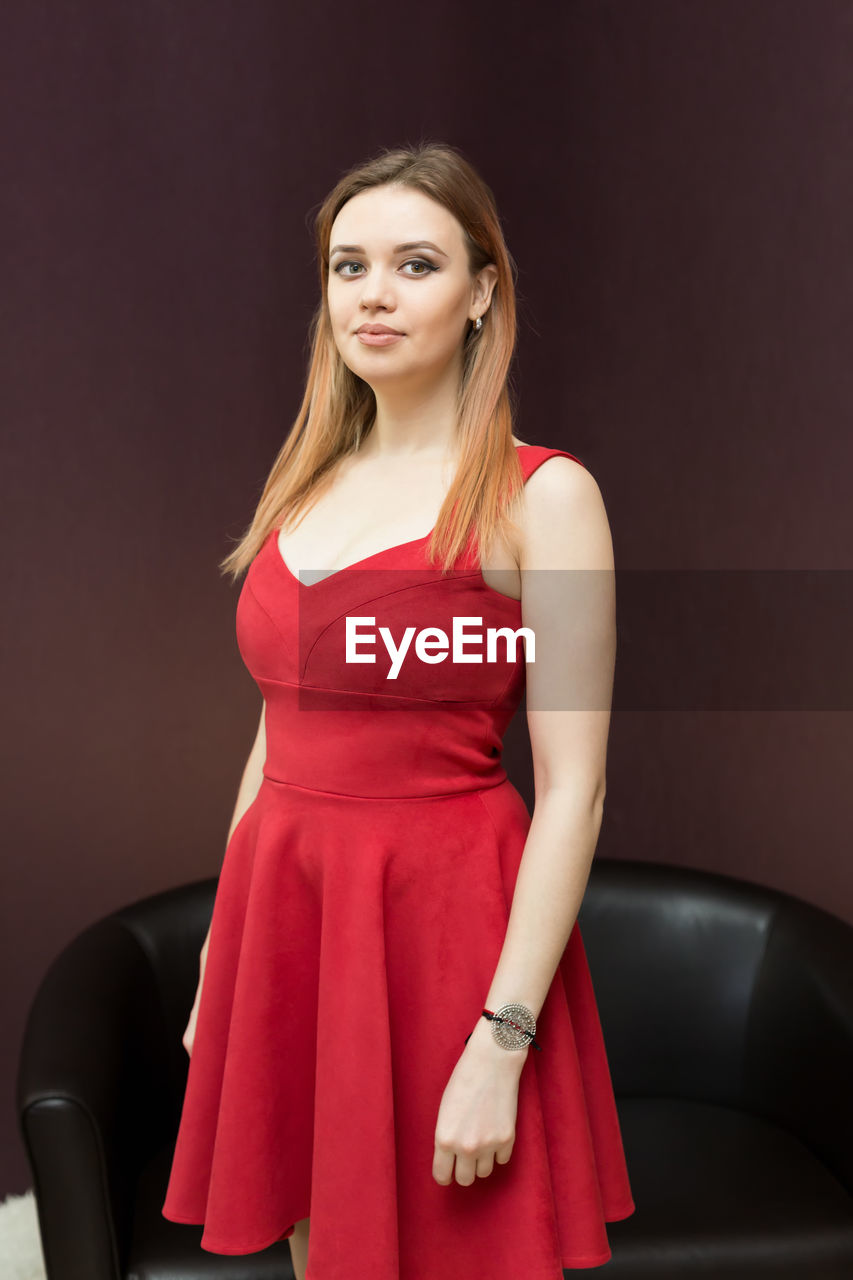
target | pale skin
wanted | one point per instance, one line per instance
(390, 492)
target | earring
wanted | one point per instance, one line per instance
(478, 324)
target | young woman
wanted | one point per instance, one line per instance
(393, 935)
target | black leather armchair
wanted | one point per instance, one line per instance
(727, 1011)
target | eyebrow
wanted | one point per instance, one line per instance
(398, 248)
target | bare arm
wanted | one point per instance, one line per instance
(569, 604)
(253, 773)
(250, 784)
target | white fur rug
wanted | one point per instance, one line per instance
(20, 1241)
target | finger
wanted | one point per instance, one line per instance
(442, 1166)
(502, 1154)
(466, 1169)
(485, 1165)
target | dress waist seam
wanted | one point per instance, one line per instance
(424, 795)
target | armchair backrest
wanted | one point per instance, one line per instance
(720, 990)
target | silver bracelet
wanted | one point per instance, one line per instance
(513, 1026)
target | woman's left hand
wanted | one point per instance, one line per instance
(476, 1118)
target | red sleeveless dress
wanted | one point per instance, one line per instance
(359, 916)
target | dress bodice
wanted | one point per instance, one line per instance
(400, 617)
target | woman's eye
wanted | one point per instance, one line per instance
(420, 262)
(412, 262)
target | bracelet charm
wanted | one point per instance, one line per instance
(513, 1026)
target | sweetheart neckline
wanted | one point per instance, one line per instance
(399, 546)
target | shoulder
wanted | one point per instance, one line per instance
(563, 520)
(556, 474)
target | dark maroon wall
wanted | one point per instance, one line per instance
(675, 184)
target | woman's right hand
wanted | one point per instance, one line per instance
(188, 1038)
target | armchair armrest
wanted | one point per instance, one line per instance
(798, 1062)
(95, 1098)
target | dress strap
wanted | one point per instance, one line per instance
(531, 457)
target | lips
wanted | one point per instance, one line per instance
(368, 339)
(377, 328)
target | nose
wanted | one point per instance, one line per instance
(377, 291)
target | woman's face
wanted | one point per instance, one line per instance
(425, 293)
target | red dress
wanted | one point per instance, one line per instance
(359, 917)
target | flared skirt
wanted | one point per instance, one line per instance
(353, 942)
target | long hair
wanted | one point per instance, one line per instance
(338, 408)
